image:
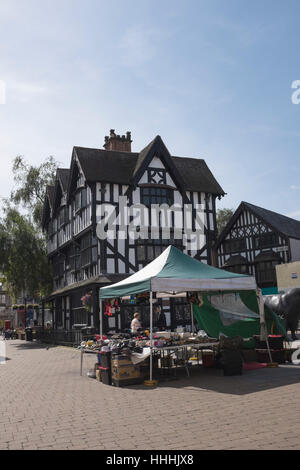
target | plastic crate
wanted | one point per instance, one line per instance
(105, 375)
(275, 342)
(208, 359)
(104, 358)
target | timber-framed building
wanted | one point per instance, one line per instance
(255, 240)
(82, 262)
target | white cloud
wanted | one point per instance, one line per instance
(294, 187)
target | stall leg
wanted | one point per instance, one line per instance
(81, 361)
(151, 382)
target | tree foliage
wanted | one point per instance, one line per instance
(23, 258)
(31, 182)
(223, 217)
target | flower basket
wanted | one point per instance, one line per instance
(86, 301)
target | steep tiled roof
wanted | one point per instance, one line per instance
(281, 223)
(285, 225)
(63, 174)
(120, 167)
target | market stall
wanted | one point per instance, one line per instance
(174, 272)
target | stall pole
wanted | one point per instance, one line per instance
(151, 332)
(192, 318)
(101, 319)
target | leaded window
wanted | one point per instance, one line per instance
(154, 195)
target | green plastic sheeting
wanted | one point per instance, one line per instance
(209, 319)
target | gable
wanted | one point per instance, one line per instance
(76, 175)
(156, 173)
(158, 151)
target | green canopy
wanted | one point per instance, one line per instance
(174, 271)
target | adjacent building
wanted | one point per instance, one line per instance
(255, 241)
(288, 276)
(83, 261)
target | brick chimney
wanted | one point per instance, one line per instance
(117, 142)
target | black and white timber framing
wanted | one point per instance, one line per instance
(255, 240)
(81, 261)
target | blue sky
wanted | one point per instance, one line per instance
(212, 77)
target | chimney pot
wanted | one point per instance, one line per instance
(118, 143)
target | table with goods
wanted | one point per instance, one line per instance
(123, 359)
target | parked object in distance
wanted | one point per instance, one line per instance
(287, 305)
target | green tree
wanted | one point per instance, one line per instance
(31, 182)
(23, 259)
(223, 217)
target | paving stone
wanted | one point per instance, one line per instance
(46, 404)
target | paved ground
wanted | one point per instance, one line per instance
(45, 404)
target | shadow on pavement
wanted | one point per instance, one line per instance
(28, 345)
(249, 382)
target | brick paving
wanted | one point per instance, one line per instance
(46, 404)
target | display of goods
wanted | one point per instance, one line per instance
(231, 343)
(278, 355)
(206, 339)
